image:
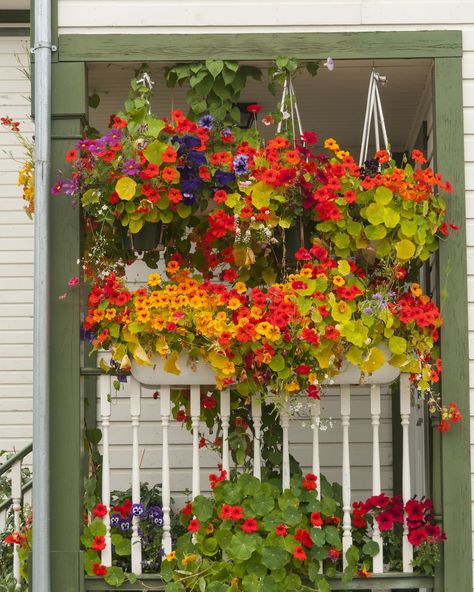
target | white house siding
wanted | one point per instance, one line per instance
(16, 259)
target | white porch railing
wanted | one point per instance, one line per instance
(14, 504)
(139, 391)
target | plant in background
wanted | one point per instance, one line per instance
(388, 513)
(215, 87)
(250, 534)
(26, 175)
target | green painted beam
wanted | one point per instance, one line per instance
(387, 581)
(261, 46)
(455, 453)
(14, 16)
(66, 397)
(14, 31)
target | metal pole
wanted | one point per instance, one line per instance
(42, 111)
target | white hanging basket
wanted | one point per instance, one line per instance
(193, 372)
(350, 373)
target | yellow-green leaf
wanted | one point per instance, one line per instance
(171, 363)
(397, 345)
(383, 195)
(374, 213)
(154, 151)
(284, 222)
(343, 267)
(375, 232)
(125, 188)
(374, 361)
(269, 275)
(135, 225)
(405, 249)
(390, 217)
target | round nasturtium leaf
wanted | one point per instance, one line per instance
(405, 249)
(125, 188)
(374, 213)
(397, 345)
(383, 195)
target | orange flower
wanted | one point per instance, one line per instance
(418, 156)
(292, 157)
(175, 195)
(169, 174)
(169, 155)
(383, 156)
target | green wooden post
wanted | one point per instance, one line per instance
(455, 452)
(68, 115)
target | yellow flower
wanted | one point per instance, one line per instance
(255, 312)
(342, 154)
(234, 303)
(415, 289)
(306, 272)
(263, 328)
(143, 316)
(331, 144)
(171, 556)
(338, 280)
(98, 315)
(228, 369)
(209, 529)
(158, 323)
(110, 314)
(273, 333)
(154, 279)
(292, 387)
(221, 317)
(240, 288)
(188, 559)
(234, 583)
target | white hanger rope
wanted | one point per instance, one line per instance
(373, 111)
(289, 90)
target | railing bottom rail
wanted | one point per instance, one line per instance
(386, 581)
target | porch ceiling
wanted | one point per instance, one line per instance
(331, 104)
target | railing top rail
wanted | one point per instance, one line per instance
(15, 458)
(8, 502)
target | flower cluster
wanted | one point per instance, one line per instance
(26, 175)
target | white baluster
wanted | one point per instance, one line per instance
(195, 416)
(16, 507)
(257, 444)
(375, 411)
(285, 469)
(316, 468)
(225, 419)
(346, 470)
(135, 417)
(165, 467)
(405, 405)
(105, 411)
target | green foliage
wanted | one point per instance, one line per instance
(215, 87)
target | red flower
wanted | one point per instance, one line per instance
(226, 512)
(71, 155)
(118, 123)
(250, 525)
(444, 426)
(299, 553)
(99, 570)
(313, 392)
(416, 537)
(280, 530)
(99, 543)
(100, 510)
(316, 519)
(237, 513)
(254, 108)
(181, 415)
(309, 482)
(385, 521)
(417, 156)
(209, 402)
(303, 254)
(333, 554)
(194, 525)
(303, 369)
(220, 196)
(187, 510)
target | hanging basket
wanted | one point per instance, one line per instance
(351, 374)
(146, 239)
(193, 372)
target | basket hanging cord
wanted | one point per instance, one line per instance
(289, 92)
(373, 111)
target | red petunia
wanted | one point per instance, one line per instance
(417, 536)
(71, 155)
(249, 525)
(303, 369)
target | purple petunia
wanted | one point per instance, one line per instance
(206, 121)
(241, 166)
(131, 167)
